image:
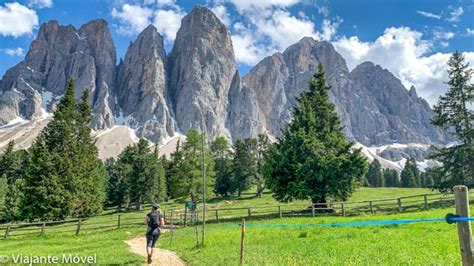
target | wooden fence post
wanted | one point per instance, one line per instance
(249, 212)
(185, 215)
(118, 222)
(171, 217)
(279, 211)
(78, 226)
(242, 243)
(461, 195)
(313, 212)
(42, 229)
(371, 207)
(7, 232)
(399, 201)
(343, 210)
(425, 197)
(217, 215)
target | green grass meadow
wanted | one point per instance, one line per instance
(434, 243)
(411, 244)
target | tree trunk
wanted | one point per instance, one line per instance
(260, 189)
(138, 204)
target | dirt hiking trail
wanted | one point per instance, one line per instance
(161, 257)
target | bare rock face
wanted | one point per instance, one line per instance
(373, 105)
(58, 54)
(277, 80)
(201, 69)
(158, 94)
(244, 118)
(141, 87)
(395, 115)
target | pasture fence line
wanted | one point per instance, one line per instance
(216, 214)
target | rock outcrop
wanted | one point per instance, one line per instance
(58, 54)
(373, 105)
(141, 87)
(202, 67)
(158, 95)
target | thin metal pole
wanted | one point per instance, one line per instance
(203, 181)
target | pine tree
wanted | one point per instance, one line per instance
(374, 174)
(89, 169)
(187, 179)
(410, 176)
(453, 115)
(428, 177)
(221, 154)
(391, 178)
(51, 187)
(3, 191)
(12, 165)
(244, 167)
(312, 159)
(157, 178)
(262, 147)
(64, 176)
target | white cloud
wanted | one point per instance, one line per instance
(167, 22)
(404, 53)
(428, 14)
(470, 32)
(285, 29)
(248, 5)
(323, 10)
(14, 51)
(268, 26)
(222, 14)
(161, 3)
(455, 14)
(247, 50)
(40, 3)
(133, 18)
(329, 29)
(17, 20)
(164, 14)
(439, 34)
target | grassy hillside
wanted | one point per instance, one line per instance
(413, 244)
(248, 198)
(426, 243)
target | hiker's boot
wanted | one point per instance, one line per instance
(149, 259)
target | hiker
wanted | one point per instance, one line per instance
(154, 221)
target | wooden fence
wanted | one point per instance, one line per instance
(183, 217)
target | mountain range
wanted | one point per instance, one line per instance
(159, 95)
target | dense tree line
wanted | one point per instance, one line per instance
(410, 176)
(60, 175)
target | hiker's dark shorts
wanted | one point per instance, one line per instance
(151, 240)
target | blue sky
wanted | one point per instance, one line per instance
(413, 39)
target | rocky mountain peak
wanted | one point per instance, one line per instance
(158, 95)
(60, 53)
(412, 92)
(141, 87)
(201, 69)
(201, 20)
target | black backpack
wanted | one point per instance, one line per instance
(154, 224)
(154, 220)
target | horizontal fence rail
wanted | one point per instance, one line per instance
(184, 217)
